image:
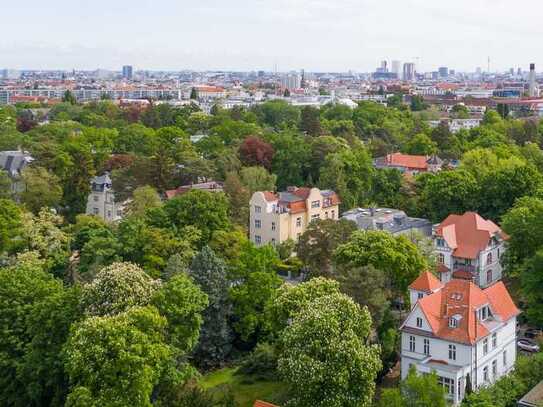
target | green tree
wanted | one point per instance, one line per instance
(460, 111)
(100, 350)
(209, 273)
(531, 278)
(11, 226)
(310, 121)
(524, 225)
(116, 289)
(396, 255)
(317, 244)
(143, 198)
(207, 211)
(69, 97)
(504, 185)
(256, 281)
(257, 179)
(326, 360)
(417, 103)
(421, 144)
(42, 189)
(181, 302)
(35, 314)
(194, 94)
(5, 185)
(415, 390)
(348, 173)
(449, 192)
(292, 299)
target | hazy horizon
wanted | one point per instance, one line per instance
(315, 35)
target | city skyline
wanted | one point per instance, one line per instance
(290, 34)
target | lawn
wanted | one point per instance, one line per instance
(244, 388)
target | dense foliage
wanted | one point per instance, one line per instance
(176, 282)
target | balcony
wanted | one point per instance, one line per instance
(465, 271)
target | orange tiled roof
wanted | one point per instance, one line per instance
(270, 196)
(426, 282)
(467, 234)
(463, 298)
(408, 161)
(259, 403)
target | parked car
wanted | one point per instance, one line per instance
(533, 333)
(527, 345)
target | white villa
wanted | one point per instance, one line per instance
(458, 330)
(469, 247)
(101, 200)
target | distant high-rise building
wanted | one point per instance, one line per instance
(291, 81)
(452, 72)
(10, 74)
(396, 68)
(478, 70)
(532, 90)
(408, 71)
(443, 72)
(128, 72)
(384, 66)
(519, 72)
(512, 71)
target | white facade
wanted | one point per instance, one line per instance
(485, 358)
(486, 267)
(101, 200)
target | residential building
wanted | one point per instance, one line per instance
(211, 186)
(101, 200)
(209, 92)
(455, 125)
(291, 81)
(277, 217)
(393, 221)
(408, 71)
(13, 163)
(458, 330)
(469, 247)
(409, 164)
(128, 72)
(259, 403)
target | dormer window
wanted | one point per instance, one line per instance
(419, 322)
(485, 313)
(454, 321)
(440, 242)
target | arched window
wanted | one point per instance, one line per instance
(489, 258)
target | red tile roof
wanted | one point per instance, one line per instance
(409, 161)
(426, 282)
(270, 196)
(468, 234)
(462, 298)
(259, 403)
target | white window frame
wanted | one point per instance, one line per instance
(412, 343)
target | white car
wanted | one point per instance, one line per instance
(527, 345)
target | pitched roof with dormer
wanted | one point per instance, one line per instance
(468, 234)
(461, 299)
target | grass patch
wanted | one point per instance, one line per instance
(245, 389)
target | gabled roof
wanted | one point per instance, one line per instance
(461, 299)
(426, 282)
(468, 234)
(406, 160)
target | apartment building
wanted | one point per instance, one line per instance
(276, 217)
(469, 247)
(459, 331)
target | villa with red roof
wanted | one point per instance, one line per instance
(459, 331)
(409, 164)
(469, 247)
(277, 217)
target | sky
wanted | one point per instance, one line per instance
(315, 35)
